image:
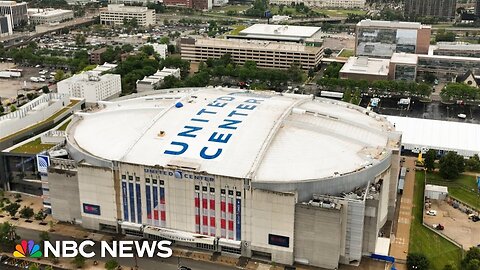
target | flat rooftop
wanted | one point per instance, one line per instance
(391, 24)
(51, 13)
(123, 8)
(367, 66)
(436, 134)
(259, 45)
(404, 58)
(264, 136)
(457, 46)
(280, 31)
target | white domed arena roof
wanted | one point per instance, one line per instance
(263, 136)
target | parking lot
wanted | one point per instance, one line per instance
(10, 88)
(456, 224)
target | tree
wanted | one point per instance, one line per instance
(33, 267)
(80, 40)
(13, 108)
(449, 267)
(8, 235)
(451, 165)
(473, 164)
(429, 77)
(79, 261)
(44, 236)
(164, 40)
(59, 75)
(417, 261)
(45, 89)
(2, 110)
(111, 265)
(327, 52)
(429, 162)
(471, 259)
(127, 48)
(148, 49)
(39, 215)
(26, 212)
(12, 209)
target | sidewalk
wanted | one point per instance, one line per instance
(399, 245)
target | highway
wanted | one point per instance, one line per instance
(143, 263)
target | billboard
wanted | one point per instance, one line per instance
(91, 209)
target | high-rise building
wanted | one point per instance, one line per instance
(17, 11)
(382, 39)
(444, 9)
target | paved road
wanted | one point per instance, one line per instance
(143, 263)
(399, 246)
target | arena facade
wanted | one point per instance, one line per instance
(283, 177)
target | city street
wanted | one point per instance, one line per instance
(143, 263)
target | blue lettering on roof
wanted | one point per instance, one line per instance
(234, 118)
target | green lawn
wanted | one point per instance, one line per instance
(237, 29)
(64, 126)
(237, 8)
(33, 147)
(346, 53)
(438, 250)
(464, 188)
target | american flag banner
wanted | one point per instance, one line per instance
(223, 215)
(197, 211)
(212, 212)
(204, 212)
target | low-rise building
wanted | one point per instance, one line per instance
(364, 68)
(457, 49)
(148, 83)
(6, 27)
(17, 11)
(91, 86)
(51, 16)
(266, 54)
(160, 49)
(115, 14)
(194, 4)
(95, 56)
(447, 68)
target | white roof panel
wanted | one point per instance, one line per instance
(440, 135)
(231, 132)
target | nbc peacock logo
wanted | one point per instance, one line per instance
(27, 249)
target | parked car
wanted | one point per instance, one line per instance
(432, 212)
(439, 227)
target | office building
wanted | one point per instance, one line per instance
(350, 4)
(441, 9)
(17, 11)
(267, 54)
(248, 178)
(91, 86)
(6, 27)
(51, 16)
(457, 49)
(115, 14)
(381, 39)
(309, 35)
(447, 67)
